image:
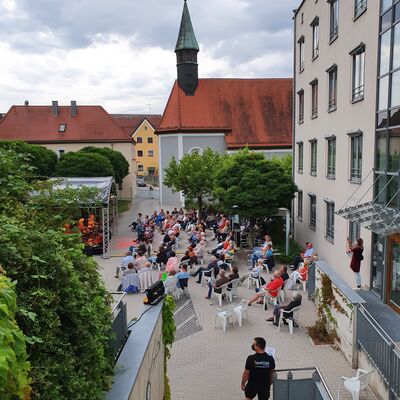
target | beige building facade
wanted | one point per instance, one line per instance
(336, 45)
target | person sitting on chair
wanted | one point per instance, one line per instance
(207, 270)
(272, 288)
(288, 307)
(172, 262)
(217, 284)
(128, 271)
(124, 263)
(182, 274)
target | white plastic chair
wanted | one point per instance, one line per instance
(171, 287)
(254, 281)
(289, 320)
(224, 315)
(207, 278)
(356, 384)
(240, 309)
(220, 295)
(233, 291)
(282, 295)
(271, 299)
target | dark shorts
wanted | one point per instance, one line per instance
(252, 392)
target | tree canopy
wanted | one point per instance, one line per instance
(43, 160)
(251, 186)
(193, 175)
(83, 164)
(118, 161)
(62, 303)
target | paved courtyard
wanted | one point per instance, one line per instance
(207, 363)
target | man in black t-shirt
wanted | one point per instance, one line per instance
(257, 376)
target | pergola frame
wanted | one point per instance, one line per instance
(107, 196)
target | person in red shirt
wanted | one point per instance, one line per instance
(272, 288)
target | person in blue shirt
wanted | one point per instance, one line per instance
(182, 274)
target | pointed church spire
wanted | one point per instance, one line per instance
(186, 39)
(186, 50)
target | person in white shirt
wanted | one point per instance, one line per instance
(124, 263)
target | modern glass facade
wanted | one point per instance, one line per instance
(385, 279)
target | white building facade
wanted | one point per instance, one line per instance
(336, 47)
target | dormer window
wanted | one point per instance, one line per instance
(62, 128)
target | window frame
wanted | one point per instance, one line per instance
(355, 173)
(315, 37)
(313, 157)
(139, 139)
(140, 153)
(332, 87)
(301, 43)
(150, 140)
(329, 220)
(300, 159)
(62, 128)
(331, 145)
(360, 6)
(300, 205)
(140, 169)
(150, 153)
(312, 217)
(314, 98)
(333, 22)
(358, 70)
(300, 94)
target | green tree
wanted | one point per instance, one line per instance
(193, 175)
(44, 160)
(81, 164)
(118, 161)
(62, 303)
(249, 185)
(14, 367)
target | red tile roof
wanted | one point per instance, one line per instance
(253, 112)
(130, 122)
(36, 124)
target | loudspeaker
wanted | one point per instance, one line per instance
(155, 293)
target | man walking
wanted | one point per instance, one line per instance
(257, 375)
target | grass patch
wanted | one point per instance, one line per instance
(124, 205)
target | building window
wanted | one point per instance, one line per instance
(150, 153)
(356, 157)
(331, 158)
(354, 231)
(334, 20)
(301, 157)
(140, 153)
(330, 221)
(300, 93)
(300, 205)
(139, 139)
(150, 140)
(312, 223)
(313, 152)
(197, 150)
(62, 128)
(315, 37)
(60, 152)
(358, 78)
(140, 168)
(314, 98)
(359, 7)
(301, 53)
(332, 78)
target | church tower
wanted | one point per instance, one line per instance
(186, 50)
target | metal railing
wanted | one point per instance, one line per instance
(303, 386)
(119, 323)
(380, 349)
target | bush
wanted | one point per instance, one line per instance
(118, 161)
(44, 160)
(14, 383)
(81, 164)
(63, 304)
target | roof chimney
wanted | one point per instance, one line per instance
(54, 108)
(74, 108)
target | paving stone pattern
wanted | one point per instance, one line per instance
(207, 363)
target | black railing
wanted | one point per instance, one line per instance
(332, 104)
(119, 324)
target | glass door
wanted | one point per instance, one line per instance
(393, 274)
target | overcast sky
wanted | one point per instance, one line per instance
(119, 53)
